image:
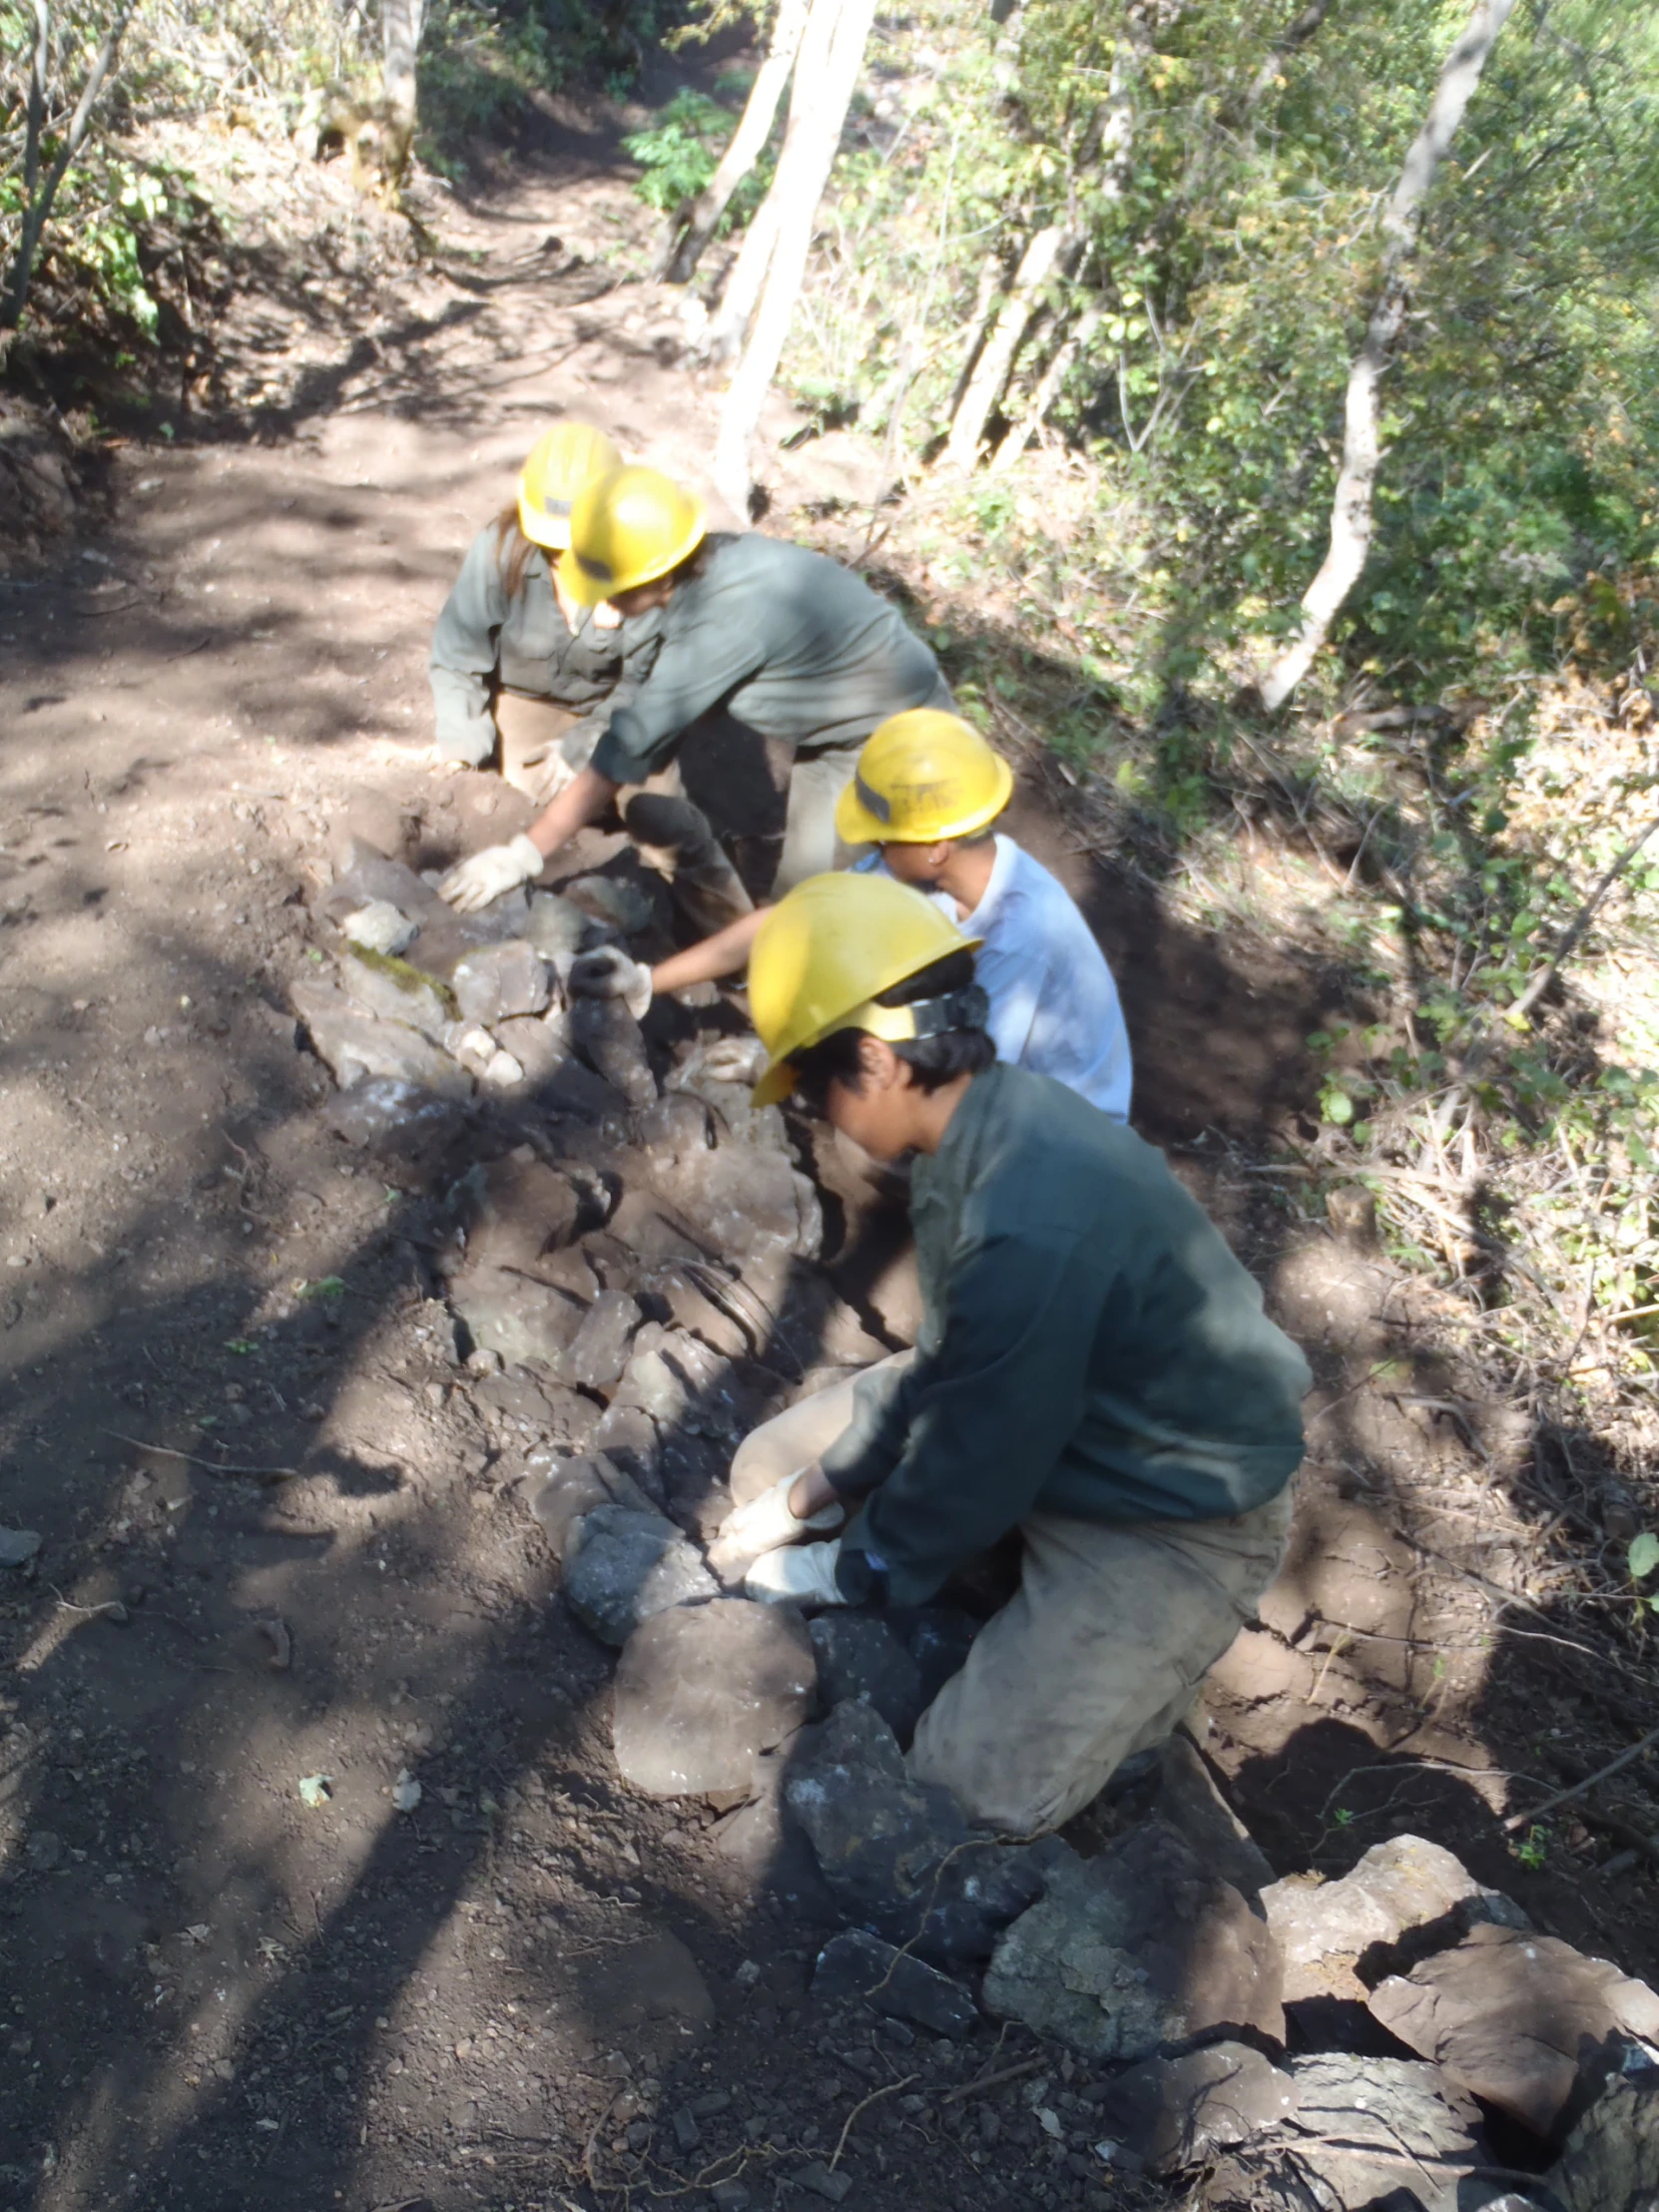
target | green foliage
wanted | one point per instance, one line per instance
(1230, 260)
(681, 151)
(1643, 1555)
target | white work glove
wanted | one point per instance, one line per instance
(767, 1522)
(800, 1575)
(471, 884)
(610, 973)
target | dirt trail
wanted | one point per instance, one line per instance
(220, 1995)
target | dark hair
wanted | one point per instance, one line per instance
(962, 1049)
(513, 549)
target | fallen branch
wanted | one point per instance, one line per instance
(994, 2080)
(213, 1466)
(1566, 1797)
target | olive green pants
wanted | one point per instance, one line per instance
(1098, 1654)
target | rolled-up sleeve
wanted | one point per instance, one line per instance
(986, 1416)
(464, 653)
(701, 661)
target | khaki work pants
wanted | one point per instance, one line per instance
(1098, 1655)
(532, 754)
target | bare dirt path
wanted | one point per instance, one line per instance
(221, 1995)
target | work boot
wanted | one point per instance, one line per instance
(675, 838)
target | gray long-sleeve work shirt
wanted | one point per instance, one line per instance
(525, 640)
(1089, 1346)
(786, 640)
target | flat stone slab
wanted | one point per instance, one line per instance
(1508, 2015)
(574, 1487)
(356, 1045)
(703, 1690)
(1140, 1948)
(1325, 1928)
(1175, 2112)
(1610, 2162)
(1360, 2132)
(893, 1982)
(497, 981)
(621, 1567)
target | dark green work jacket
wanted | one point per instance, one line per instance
(1089, 1346)
(525, 642)
(787, 641)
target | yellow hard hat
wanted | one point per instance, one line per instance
(823, 954)
(627, 529)
(560, 463)
(923, 776)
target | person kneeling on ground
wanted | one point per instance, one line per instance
(516, 656)
(1093, 1369)
(925, 795)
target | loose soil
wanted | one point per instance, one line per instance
(282, 1539)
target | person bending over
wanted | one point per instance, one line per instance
(787, 641)
(924, 797)
(1094, 1370)
(516, 658)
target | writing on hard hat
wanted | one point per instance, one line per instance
(560, 463)
(923, 776)
(826, 952)
(628, 529)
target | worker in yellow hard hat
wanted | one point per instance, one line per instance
(517, 659)
(786, 640)
(1093, 1370)
(924, 797)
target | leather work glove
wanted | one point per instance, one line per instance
(475, 883)
(800, 1575)
(766, 1523)
(610, 973)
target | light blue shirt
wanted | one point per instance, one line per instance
(1054, 1005)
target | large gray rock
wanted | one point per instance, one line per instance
(1139, 1947)
(560, 1491)
(621, 1568)
(443, 937)
(1508, 2015)
(744, 1204)
(608, 1037)
(1325, 1928)
(629, 1436)
(508, 1313)
(860, 1966)
(859, 1657)
(1189, 1800)
(1175, 2112)
(897, 1854)
(498, 981)
(556, 928)
(515, 1209)
(598, 1350)
(390, 988)
(356, 1046)
(1612, 2159)
(703, 1690)
(681, 1384)
(539, 1045)
(1362, 2130)
(408, 1126)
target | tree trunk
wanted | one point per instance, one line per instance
(1026, 429)
(400, 26)
(37, 206)
(694, 222)
(1350, 509)
(818, 112)
(1043, 254)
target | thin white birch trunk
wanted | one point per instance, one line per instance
(400, 26)
(692, 224)
(1350, 509)
(1042, 256)
(817, 112)
(1029, 424)
(37, 206)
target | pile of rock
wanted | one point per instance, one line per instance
(627, 1249)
